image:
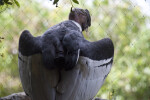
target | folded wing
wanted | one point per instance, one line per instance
(94, 64)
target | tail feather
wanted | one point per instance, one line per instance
(29, 45)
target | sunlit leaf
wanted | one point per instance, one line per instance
(75, 1)
(55, 1)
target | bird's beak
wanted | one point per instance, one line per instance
(86, 29)
(87, 32)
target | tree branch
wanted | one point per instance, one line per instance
(16, 96)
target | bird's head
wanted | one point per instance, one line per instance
(81, 16)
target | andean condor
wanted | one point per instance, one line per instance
(64, 47)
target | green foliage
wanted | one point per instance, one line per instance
(75, 1)
(55, 1)
(9, 2)
(127, 27)
(5, 4)
(122, 22)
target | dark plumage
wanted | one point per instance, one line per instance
(62, 44)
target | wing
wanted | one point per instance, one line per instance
(38, 82)
(96, 59)
(94, 64)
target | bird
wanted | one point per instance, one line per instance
(77, 68)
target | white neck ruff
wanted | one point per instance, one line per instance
(77, 24)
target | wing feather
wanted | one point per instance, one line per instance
(89, 80)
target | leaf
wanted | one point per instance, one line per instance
(75, 1)
(55, 1)
(17, 3)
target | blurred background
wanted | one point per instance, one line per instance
(126, 22)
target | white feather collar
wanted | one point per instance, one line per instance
(78, 25)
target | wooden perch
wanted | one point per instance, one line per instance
(81, 83)
(16, 96)
(23, 96)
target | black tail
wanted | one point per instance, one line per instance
(29, 45)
